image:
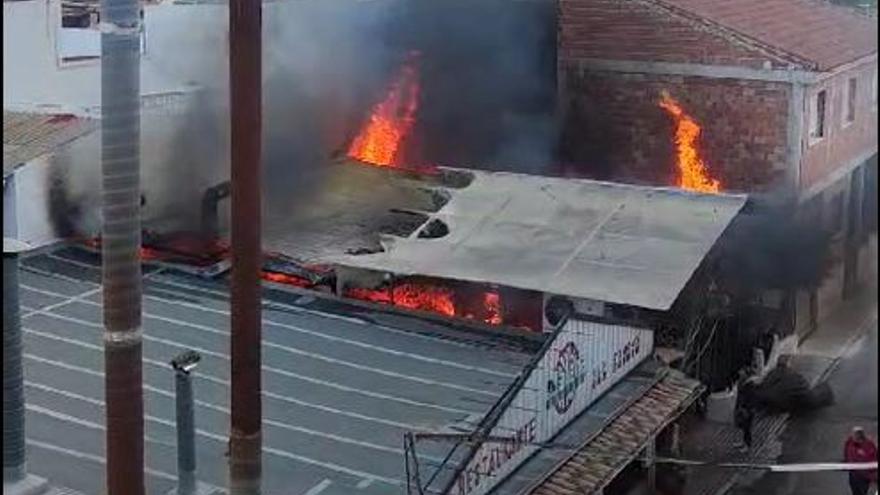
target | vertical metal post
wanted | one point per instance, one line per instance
(120, 244)
(14, 469)
(186, 434)
(651, 464)
(245, 66)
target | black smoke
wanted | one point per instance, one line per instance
(488, 72)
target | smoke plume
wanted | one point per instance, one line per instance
(487, 77)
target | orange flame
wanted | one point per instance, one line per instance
(694, 173)
(379, 142)
(492, 304)
(284, 278)
(431, 298)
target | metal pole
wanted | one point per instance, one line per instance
(13, 382)
(120, 245)
(186, 435)
(245, 66)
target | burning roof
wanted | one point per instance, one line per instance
(355, 204)
(611, 242)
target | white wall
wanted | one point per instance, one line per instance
(191, 40)
(187, 36)
(32, 212)
(10, 222)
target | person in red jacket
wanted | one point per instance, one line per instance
(860, 448)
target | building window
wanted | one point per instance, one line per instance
(817, 123)
(851, 98)
(79, 37)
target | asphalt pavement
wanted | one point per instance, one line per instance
(820, 436)
(340, 388)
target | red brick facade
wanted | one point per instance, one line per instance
(614, 129)
(627, 136)
(845, 142)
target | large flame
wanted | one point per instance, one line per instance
(694, 173)
(380, 141)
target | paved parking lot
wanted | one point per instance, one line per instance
(340, 387)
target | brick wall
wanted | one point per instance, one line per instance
(843, 143)
(641, 31)
(615, 129)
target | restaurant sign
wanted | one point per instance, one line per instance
(584, 361)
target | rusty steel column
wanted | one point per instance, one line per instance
(120, 245)
(245, 76)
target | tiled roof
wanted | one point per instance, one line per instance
(593, 466)
(29, 135)
(816, 32)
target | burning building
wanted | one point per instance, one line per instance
(746, 96)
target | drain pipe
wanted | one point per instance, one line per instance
(15, 477)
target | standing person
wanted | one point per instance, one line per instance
(860, 448)
(744, 413)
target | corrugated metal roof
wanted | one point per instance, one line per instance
(820, 32)
(30, 135)
(594, 465)
(609, 242)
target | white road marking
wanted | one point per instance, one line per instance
(212, 379)
(319, 357)
(331, 338)
(364, 483)
(210, 291)
(315, 490)
(60, 416)
(280, 398)
(78, 297)
(99, 460)
(223, 440)
(270, 369)
(276, 424)
(268, 305)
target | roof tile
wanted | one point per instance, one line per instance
(817, 32)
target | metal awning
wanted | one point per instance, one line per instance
(610, 242)
(605, 454)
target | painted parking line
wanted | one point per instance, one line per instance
(282, 348)
(320, 487)
(224, 383)
(268, 305)
(215, 407)
(84, 423)
(99, 460)
(221, 409)
(210, 291)
(298, 329)
(68, 300)
(219, 438)
(277, 371)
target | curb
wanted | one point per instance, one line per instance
(850, 342)
(823, 376)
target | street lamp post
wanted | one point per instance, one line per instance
(183, 365)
